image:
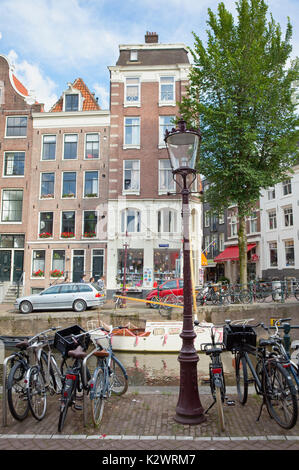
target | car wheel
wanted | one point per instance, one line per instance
(79, 305)
(26, 307)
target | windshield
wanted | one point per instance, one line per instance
(96, 286)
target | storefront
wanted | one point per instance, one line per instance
(130, 261)
(166, 264)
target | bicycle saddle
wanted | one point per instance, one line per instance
(103, 353)
(268, 342)
(22, 344)
(77, 353)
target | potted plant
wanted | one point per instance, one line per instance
(45, 235)
(56, 273)
(68, 195)
(47, 196)
(89, 234)
(39, 273)
(67, 235)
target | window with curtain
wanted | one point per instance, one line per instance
(131, 175)
(166, 181)
(167, 221)
(132, 90)
(130, 220)
(49, 147)
(132, 131)
(92, 146)
(38, 263)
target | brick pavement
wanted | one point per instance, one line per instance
(145, 421)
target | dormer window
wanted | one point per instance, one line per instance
(72, 102)
(133, 55)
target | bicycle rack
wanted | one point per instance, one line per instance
(4, 390)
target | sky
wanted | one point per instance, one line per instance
(53, 42)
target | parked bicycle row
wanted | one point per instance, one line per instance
(265, 364)
(33, 373)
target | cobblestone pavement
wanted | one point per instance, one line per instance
(145, 421)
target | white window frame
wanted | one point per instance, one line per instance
(85, 146)
(173, 222)
(16, 136)
(97, 224)
(134, 190)
(98, 184)
(233, 226)
(286, 187)
(253, 220)
(171, 102)
(285, 254)
(162, 170)
(221, 241)
(271, 194)
(207, 219)
(164, 127)
(269, 251)
(124, 220)
(62, 174)
(272, 215)
(52, 259)
(4, 159)
(31, 270)
(288, 215)
(128, 103)
(40, 185)
(39, 220)
(134, 145)
(64, 136)
(80, 100)
(42, 148)
(11, 222)
(75, 217)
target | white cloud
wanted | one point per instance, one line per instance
(42, 88)
(103, 95)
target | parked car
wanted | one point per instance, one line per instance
(76, 296)
(172, 286)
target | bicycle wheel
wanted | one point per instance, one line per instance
(63, 412)
(245, 296)
(296, 294)
(67, 394)
(51, 374)
(220, 412)
(36, 392)
(97, 396)
(17, 393)
(241, 378)
(118, 377)
(280, 395)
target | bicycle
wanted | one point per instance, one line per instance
(43, 376)
(17, 388)
(216, 375)
(109, 377)
(271, 379)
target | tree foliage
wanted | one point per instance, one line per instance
(241, 94)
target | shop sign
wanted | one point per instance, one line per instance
(147, 277)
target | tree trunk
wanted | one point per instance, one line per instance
(242, 240)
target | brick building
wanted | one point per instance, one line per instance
(16, 137)
(145, 85)
(69, 181)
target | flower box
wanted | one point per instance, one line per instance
(47, 196)
(39, 273)
(56, 273)
(68, 195)
(67, 235)
(89, 234)
(45, 235)
(91, 195)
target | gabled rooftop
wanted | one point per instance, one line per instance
(90, 103)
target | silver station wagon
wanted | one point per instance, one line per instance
(76, 296)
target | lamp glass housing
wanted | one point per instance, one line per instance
(182, 149)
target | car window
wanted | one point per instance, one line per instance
(97, 287)
(169, 285)
(51, 290)
(68, 289)
(84, 288)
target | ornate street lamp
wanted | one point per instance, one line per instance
(183, 148)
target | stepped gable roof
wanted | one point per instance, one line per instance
(19, 86)
(89, 101)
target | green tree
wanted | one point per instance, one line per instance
(240, 92)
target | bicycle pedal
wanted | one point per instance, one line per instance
(230, 402)
(77, 407)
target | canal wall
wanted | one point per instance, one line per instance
(16, 324)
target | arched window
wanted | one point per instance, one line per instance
(130, 220)
(167, 220)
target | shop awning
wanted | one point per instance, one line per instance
(231, 253)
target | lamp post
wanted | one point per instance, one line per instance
(183, 146)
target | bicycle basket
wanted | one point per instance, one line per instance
(236, 336)
(64, 342)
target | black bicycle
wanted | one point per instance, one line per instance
(216, 375)
(271, 379)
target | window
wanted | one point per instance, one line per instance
(272, 219)
(83, 288)
(12, 202)
(165, 123)
(90, 224)
(286, 187)
(132, 131)
(69, 184)
(68, 289)
(133, 55)
(16, 126)
(70, 146)
(167, 221)
(14, 163)
(288, 216)
(12, 241)
(68, 224)
(221, 242)
(131, 175)
(206, 247)
(58, 261)
(49, 147)
(233, 226)
(207, 219)
(47, 185)
(166, 89)
(289, 253)
(71, 102)
(91, 184)
(38, 263)
(273, 254)
(221, 218)
(92, 146)
(214, 244)
(166, 181)
(46, 224)
(51, 290)
(271, 194)
(130, 220)
(253, 223)
(132, 91)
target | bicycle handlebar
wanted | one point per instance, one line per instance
(42, 333)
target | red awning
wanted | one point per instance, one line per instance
(231, 253)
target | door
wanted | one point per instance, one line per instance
(5, 265)
(97, 264)
(78, 265)
(18, 265)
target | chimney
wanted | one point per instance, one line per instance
(151, 38)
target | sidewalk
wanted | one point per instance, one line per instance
(143, 419)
